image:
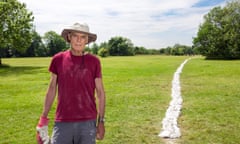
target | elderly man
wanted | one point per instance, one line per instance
(76, 75)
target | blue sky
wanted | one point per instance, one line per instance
(149, 23)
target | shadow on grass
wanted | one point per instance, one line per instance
(221, 58)
(6, 70)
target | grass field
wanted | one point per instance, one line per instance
(211, 109)
(138, 92)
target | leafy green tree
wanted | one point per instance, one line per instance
(36, 39)
(188, 50)
(161, 51)
(218, 36)
(153, 52)
(140, 50)
(16, 24)
(167, 50)
(37, 47)
(41, 51)
(103, 52)
(54, 43)
(95, 48)
(5, 52)
(232, 29)
(104, 45)
(177, 50)
(119, 46)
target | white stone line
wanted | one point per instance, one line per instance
(170, 128)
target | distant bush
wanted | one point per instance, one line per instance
(103, 52)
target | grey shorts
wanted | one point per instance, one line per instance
(74, 132)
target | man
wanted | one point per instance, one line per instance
(76, 75)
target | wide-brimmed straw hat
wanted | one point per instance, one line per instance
(77, 27)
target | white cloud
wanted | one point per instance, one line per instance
(148, 23)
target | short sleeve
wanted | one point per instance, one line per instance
(53, 65)
(98, 71)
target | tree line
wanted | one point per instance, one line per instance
(218, 36)
(52, 43)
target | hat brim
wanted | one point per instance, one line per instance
(91, 37)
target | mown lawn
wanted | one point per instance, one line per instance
(138, 93)
(211, 109)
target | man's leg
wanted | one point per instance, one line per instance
(85, 132)
(62, 133)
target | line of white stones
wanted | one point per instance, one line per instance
(170, 128)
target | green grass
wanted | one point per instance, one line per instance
(211, 109)
(138, 92)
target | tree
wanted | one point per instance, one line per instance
(54, 43)
(16, 25)
(119, 46)
(37, 48)
(188, 50)
(232, 30)
(218, 36)
(140, 50)
(95, 48)
(162, 51)
(103, 52)
(167, 50)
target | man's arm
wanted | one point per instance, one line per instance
(101, 97)
(50, 96)
(42, 126)
(101, 107)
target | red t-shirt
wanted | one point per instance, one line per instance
(76, 86)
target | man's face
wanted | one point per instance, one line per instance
(78, 40)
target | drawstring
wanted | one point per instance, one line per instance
(82, 63)
(82, 66)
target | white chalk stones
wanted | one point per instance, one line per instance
(170, 127)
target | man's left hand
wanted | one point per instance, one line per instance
(100, 131)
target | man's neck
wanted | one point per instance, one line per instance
(76, 53)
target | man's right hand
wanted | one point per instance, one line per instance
(42, 131)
